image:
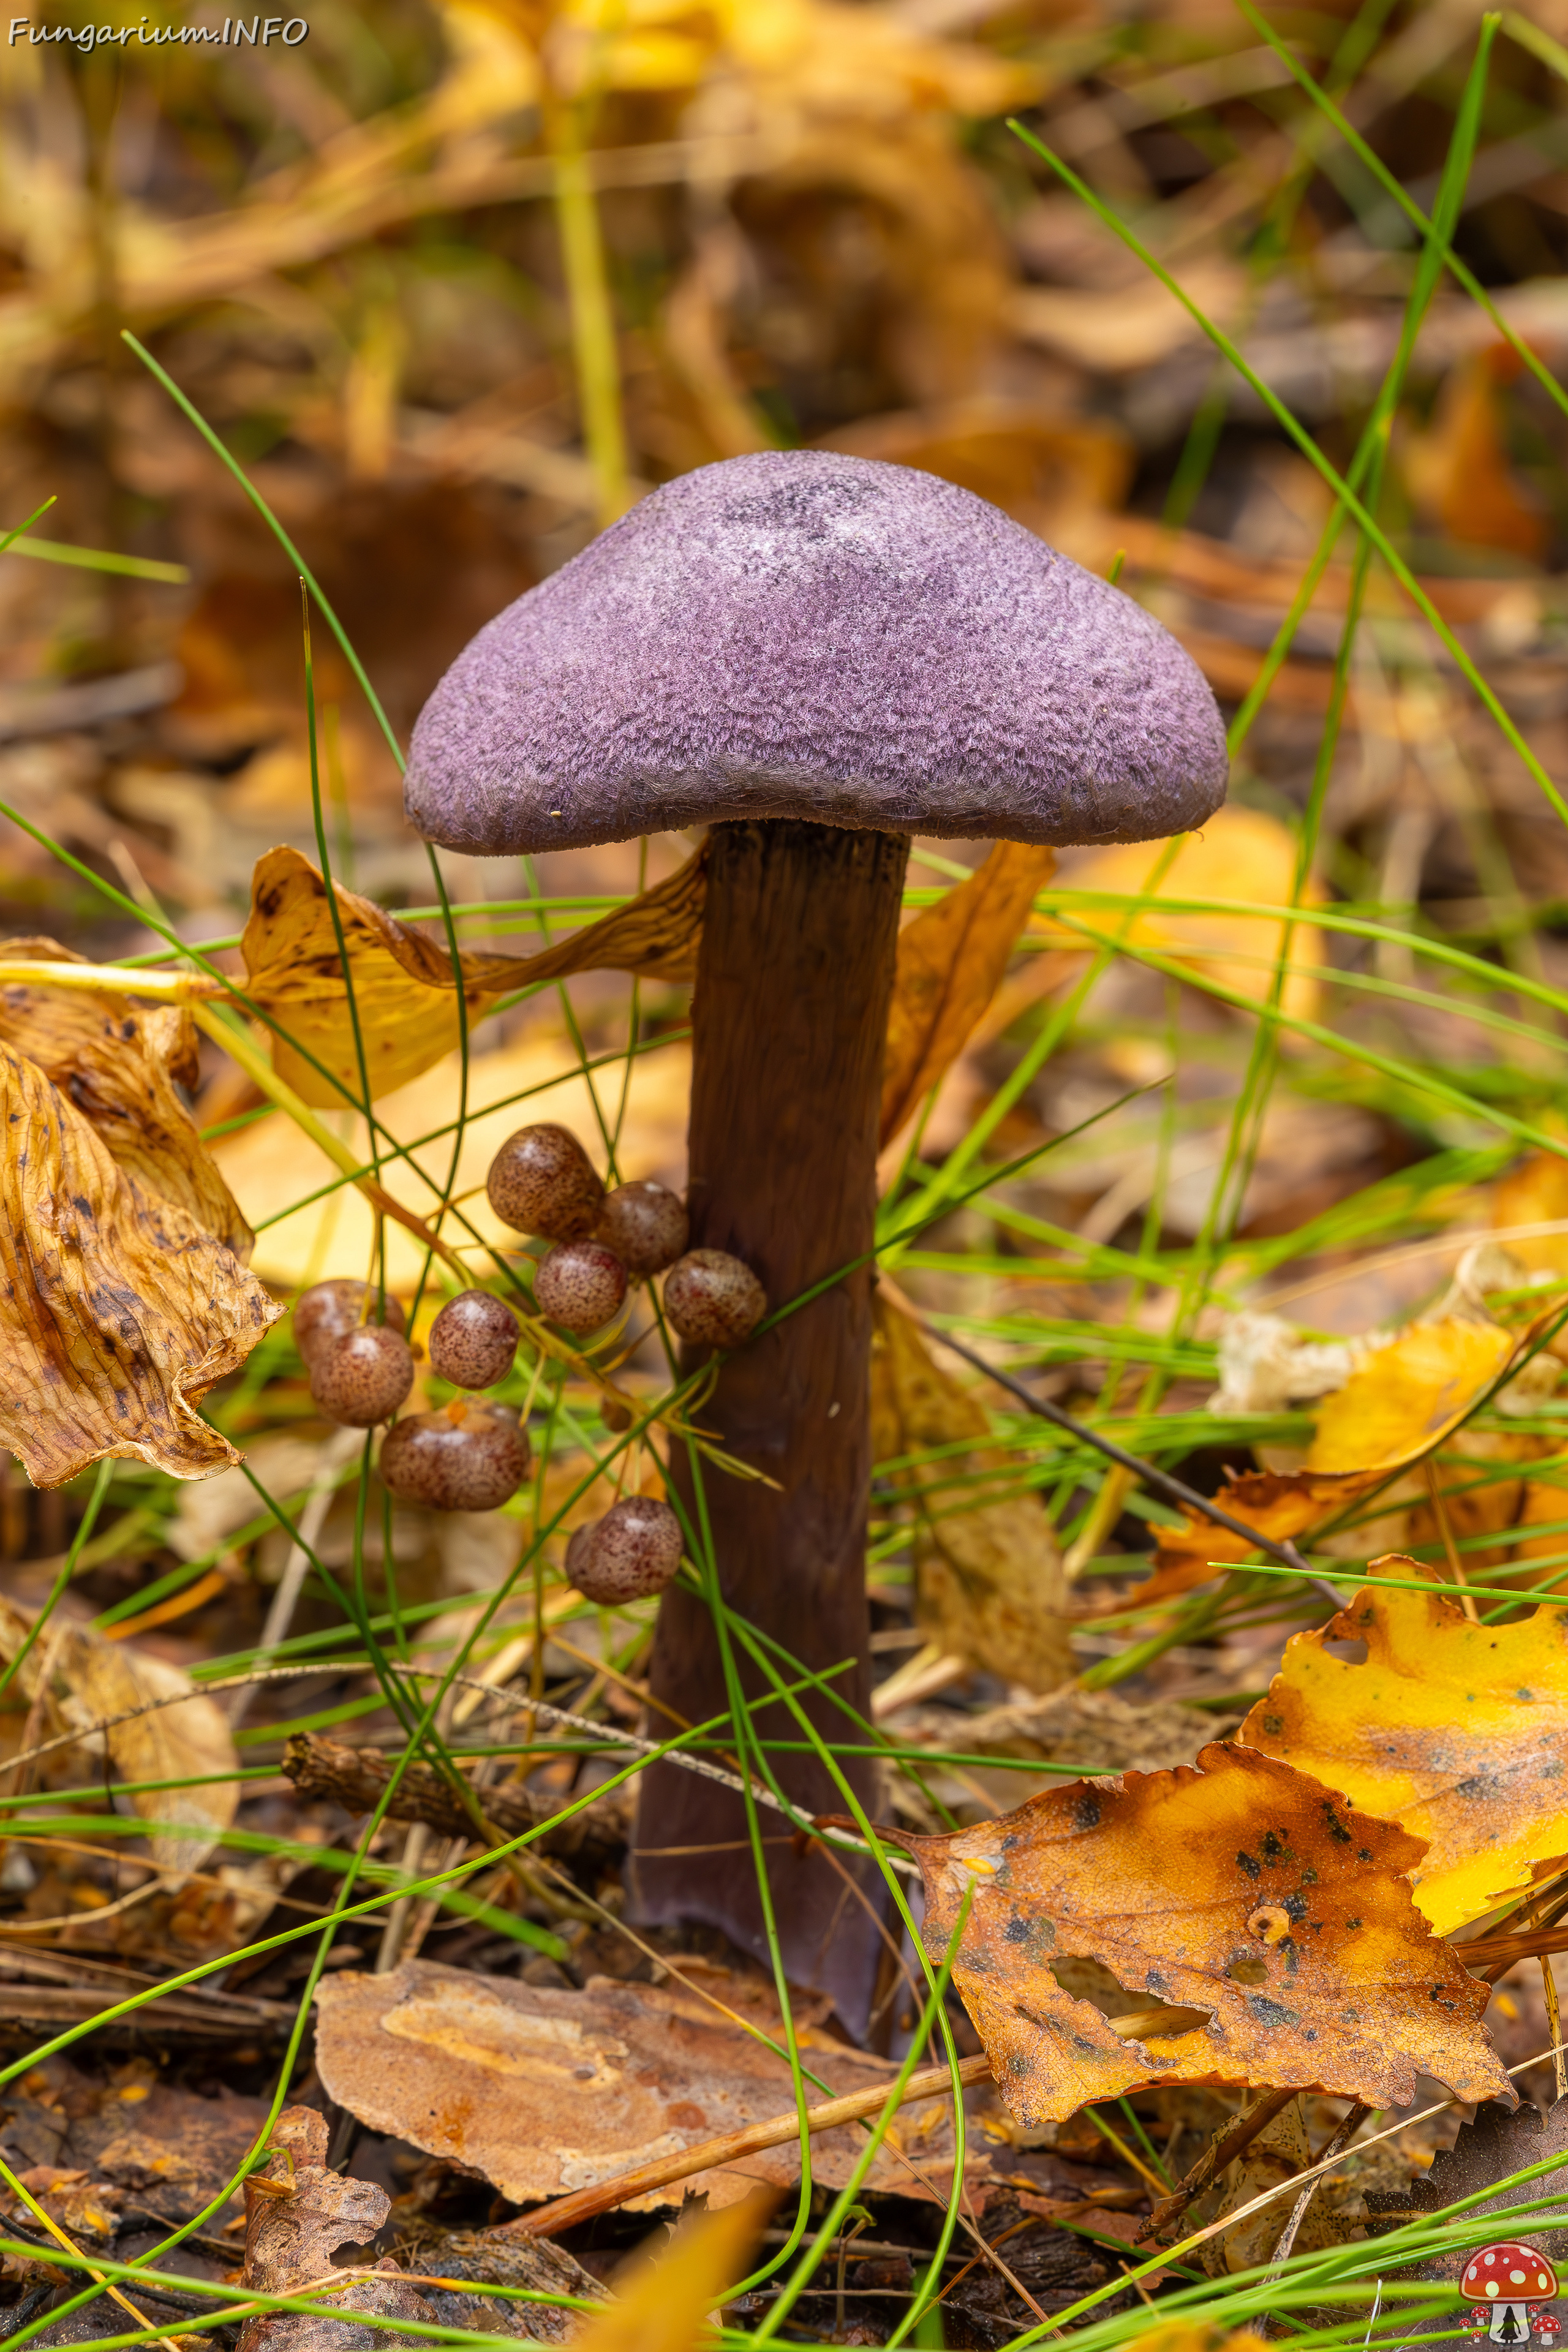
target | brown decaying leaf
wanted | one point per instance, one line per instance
(404, 989)
(83, 1680)
(952, 958)
(298, 2213)
(119, 1309)
(546, 2092)
(1456, 1731)
(119, 1062)
(989, 1578)
(1243, 1889)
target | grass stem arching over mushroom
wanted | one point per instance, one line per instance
(817, 656)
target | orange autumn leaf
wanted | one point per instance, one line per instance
(952, 958)
(1243, 1891)
(121, 1309)
(1456, 1731)
(1399, 1404)
(404, 989)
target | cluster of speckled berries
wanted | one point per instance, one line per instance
(471, 1455)
(542, 1182)
(466, 1457)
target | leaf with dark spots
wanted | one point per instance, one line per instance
(121, 1309)
(1154, 1894)
(121, 1066)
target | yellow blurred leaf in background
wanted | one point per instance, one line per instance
(1404, 1399)
(1241, 1891)
(663, 2302)
(121, 1311)
(1456, 1731)
(952, 958)
(1241, 854)
(405, 992)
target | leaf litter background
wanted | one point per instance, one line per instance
(1278, 1200)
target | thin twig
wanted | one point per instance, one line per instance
(1242, 2132)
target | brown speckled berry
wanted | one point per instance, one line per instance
(330, 1310)
(364, 1377)
(442, 1461)
(580, 1285)
(542, 1182)
(645, 1225)
(712, 1299)
(633, 1551)
(473, 1341)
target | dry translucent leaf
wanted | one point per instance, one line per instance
(82, 1680)
(952, 958)
(119, 1062)
(1242, 1890)
(404, 985)
(1456, 1731)
(1280, 2150)
(1241, 854)
(120, 1310)
(1400, 1403)
(662, 2303)
(991, 1585)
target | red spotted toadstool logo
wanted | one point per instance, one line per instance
(1509, 2287)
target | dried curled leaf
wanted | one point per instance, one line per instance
(298, 2213)
(991, 1585)
(1399, 1404)
(119, 1308)
(951, 962)
(1243, 1889)
(119, 1062)
(80, 1680)
(404, 989)
(1459, 1732)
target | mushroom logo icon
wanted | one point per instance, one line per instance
(1503, 2281)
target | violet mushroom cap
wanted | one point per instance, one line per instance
(801, 634)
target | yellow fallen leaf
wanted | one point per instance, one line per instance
(1456, 1731)
(1399, 1405)
(404, 989)
(662, 2306)
(118, 1062)
(78, 1680)
(1243, 1891)
(119, 1309)
(1241, 854)
(952, 958)
(990, 1576)
(1535, 1192)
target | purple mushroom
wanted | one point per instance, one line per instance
(817, 656)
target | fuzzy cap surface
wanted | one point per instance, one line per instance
(801, 634)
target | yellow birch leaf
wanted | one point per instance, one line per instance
(1399, 1405)
(991, 1585)
(118, 1062)
(1459, 1732)
(952, 958)
(1242, 1892)
(1241, 854)
(404, 988)
(662, 2305)
(119, 1309)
